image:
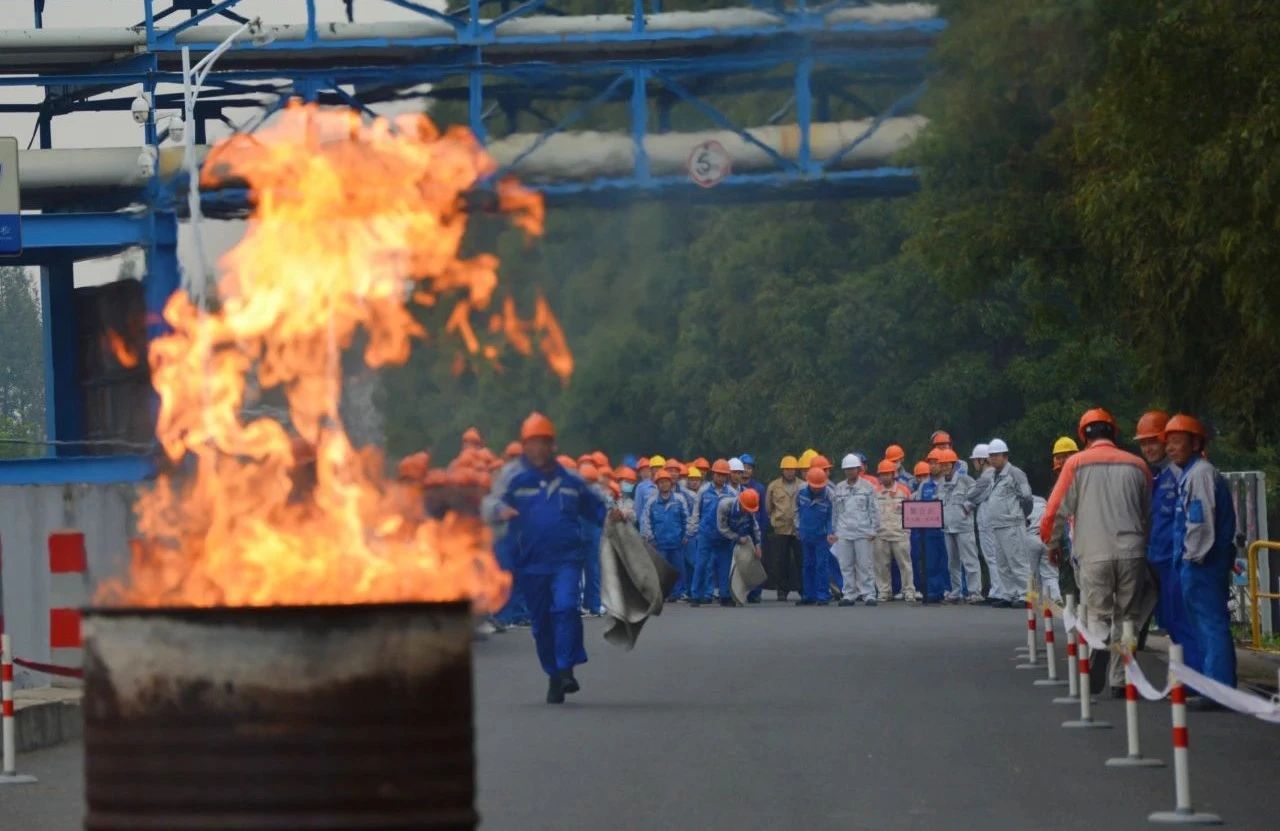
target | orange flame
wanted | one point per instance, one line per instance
(351, 221)
(125, 356)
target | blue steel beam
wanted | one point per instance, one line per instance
(93, 470)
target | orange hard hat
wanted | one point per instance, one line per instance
(1151, 425)
(606, 472)
(413, 467)
(472, 434)
(566, 461)
(749, 500)
(513, 450)
(940, 437)
(816, 477)
(673, 464)
(643, 463)
(589, 471)
(887, 466)
(945, 456)
(615, 489)
(822, 462)
(1183, 423)
(537, 426)
(700, 463)
(721, 466)
(599, 458)
(934, 455)
(1095, 416)
(664, 475)
(586, 457)
(683, 470)
(922, 469)
(626, 474)
(894, 453)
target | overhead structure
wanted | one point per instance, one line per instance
(790, 101)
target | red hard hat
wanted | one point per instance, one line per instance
(894, 453)
(749, 500)
(887, 466)
(537, 426)
(816, 477)
(1095, 416)
(1183, 423)
(940, 437)
(1152, 425)
(513, 450)
(700, 463)
(721, 466)
(922, 469)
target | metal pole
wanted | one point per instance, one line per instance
(1182, 813)
(1134, 758)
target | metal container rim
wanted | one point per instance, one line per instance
(197, 612)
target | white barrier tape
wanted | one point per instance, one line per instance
(1229, 697)
(1142, 685)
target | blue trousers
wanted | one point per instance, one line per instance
(591, 573)
(834, 574)
(1204, 593)
(813, 569)
(515, 609)
(684, 588)
(553, 611)
(723, 558)
(675, 558)
(1171, 611)
(704, 570)
(930, 563)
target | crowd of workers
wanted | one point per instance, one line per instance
(1121, 531)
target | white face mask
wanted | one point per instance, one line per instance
(628, 488)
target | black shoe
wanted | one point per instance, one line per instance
(803, 602)
(555, 690)
(753, 599)
(568, 683)
(1099, 671)
(1117, 692)
(782, 596)
(1002, 604)
(728, 602)
(695, 602)
(846, 603)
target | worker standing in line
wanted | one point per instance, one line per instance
(645, 488)
(814, 515)
(736, 522)
(962, 545)
(544, 505)
(1204, 530)
(892, 543)
(894, 453)
(708, 531)
(683, 588)
(834, 575)
(983, 477)
(665, 524)
(941, 440)
(1106, 493)
(929, 545)
(1064, 448)
(626, 500)
(783, 564)
(471, 439)
(1044, 574)
(1009, 503)
(749, 480)
(856, 522)
(591, 534)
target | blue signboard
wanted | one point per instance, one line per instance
(10, 202)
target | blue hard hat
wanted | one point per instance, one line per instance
(629, 460)
(748, 459)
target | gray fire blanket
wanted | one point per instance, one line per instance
(634, 581)
(748, 572)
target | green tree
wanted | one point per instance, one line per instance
(21, 372)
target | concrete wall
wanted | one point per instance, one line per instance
(28, 513)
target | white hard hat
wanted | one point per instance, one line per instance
(980, 451)
(997, 446)
(735, 465)
(851, 460)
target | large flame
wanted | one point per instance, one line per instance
(352, 220)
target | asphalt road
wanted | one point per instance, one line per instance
(778, 717)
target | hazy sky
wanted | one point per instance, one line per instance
(118, 129)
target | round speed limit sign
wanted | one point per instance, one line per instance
(709, 163)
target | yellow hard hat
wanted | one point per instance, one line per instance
(789, 463)
(657, 462)
(806, 457)
(1065, 444)
(694, 473)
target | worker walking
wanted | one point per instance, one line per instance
(1204, 529)
(856, 523)
(1009, 503)
(814, 517)
(708, 531)
(1105, 493)
(544, 505)
(892, 543)
(665, 525)
(962, 545)
(782, 547)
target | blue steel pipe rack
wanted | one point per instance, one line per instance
(648, 71)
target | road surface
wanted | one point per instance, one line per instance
(778, 717)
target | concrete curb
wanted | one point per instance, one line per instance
(47, 716)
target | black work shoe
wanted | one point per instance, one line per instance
(1002, 604)
(803, 602)
(695, 602)
(555, 690)
(727, 602)
(1099, 671)
(1117, 692)
(753, 599)
(568, 683)
(846, 603)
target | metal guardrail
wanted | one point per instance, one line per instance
(1255, 595)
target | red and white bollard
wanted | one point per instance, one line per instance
(1031, 639)
(1073, 677)
(10, 775)
(1086, 720)
(1182, 813)
(1134, 758)
(1050, 659)
(68, 591)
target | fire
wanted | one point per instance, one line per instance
(352, 221)
(125, 356)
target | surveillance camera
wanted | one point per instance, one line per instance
(147, 161)
(177, 129)
(141, 108)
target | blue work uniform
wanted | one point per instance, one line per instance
(547, 552)
(665, 524)
(1170, 609)
(514, 611)
(766, 528)
(591, 534)
(688, 552)
(704, 568)
(929, 558)
(814, 513)
(645, 491)
(733, 523)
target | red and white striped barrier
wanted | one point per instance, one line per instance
(68, 590)
(1073, 678)
(1086, 720)
(1031, 638)
(9, 775)
(1050, 659)
(1182, 812)
(1134, 757)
